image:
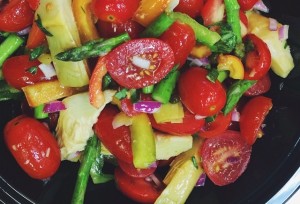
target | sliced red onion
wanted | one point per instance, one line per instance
(201, 180)
(273, 24)
(25, 31)
(260, 6)
(153, 165)
(283, 32)
(147, 106)
(235, 115)
(54, 106)
(48, 70)
(153, 178)
(199, 61)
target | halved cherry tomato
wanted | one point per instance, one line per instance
(252, 116)
(117, 141)
(190, 7)
(212, 12)
(129, 169)
(181, 38)
(121, 68)
(246, 5)
(217, 126)
(189, 125)
(19, 71)
(117, 11)
(225, 157)
(108, 29)
(127, 107)
(33, 4)
(258, 61)
(138, 189)
(198, 94)
(36, 37)
(262, 86)
(15, 16)
(33, 146)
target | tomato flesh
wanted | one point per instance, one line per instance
(190, 7)
(262, 86)
(121, 68)
(129, 169)
(33, 146)
(246, 5)
(225, 157)
(212, 11)
(252, 116)
(198, 94)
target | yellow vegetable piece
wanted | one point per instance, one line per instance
(47, 91)
(84, 20)
(233, 64)
(149, 10)
(200, 51)
(169, 113)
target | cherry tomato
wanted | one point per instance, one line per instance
(122, 69)
(252, 116)
(127, 107)
(33, 146)
(15, 16)
(190, 7)
(258, 61)
(198, 94)
(212, 11)
(225, 157)
(262, 86)
(109, 29)
(33, 4)
(138, 189)
(19, 71)
(246, 5)
(118, 11)
(129, 169)
(189, 125)
(117, 141)
(217, 126)
(181, 38)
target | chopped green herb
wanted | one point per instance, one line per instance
(194, 162)
(32, 70)
(212, 75)
(40, 25)
(36, 52)
(121, 94)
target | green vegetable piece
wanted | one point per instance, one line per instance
(148, 89)
(157, 27)
(121, 94)
(36, 52)
(89, 156)
(203, 34)
(233, 18)
(228, 40)
(40, 25)
(235, 92)
(39, 112)
(8, 47)
(163, 90)
(142, 141)
(222, 75)
(92, 48)
(9, 93)
(212, 75)
(96, 170)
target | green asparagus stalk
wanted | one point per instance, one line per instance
(232, 12)
(89, 157)
(92, 48)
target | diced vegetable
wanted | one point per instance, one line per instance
(233, 64)
(57, 18)
(169, 112)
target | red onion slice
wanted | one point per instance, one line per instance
(198, 61)
(273, 24)
(48, 70)
(147, 106)
(260, 6)
(201, 180)
(283, 32)
(54, 106)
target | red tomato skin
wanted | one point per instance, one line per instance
(15, 16)
(138, 189)
(189, 125)
(252, 116)
(129, 169)
(181, 38)
(33, 146)
(225, 157)
(211, 10)
(190, 7)
(118, 11)
(262, 86)
(118, 140)
(258, 61)
(246, 5)
(15, 71)
(198, 94)
(108, 29)
(121, 69)
(33, 4)
(216, 127)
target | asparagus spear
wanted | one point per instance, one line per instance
(92, 48)
(232, 11)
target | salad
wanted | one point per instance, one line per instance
(158, 85)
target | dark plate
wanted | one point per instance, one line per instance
(274, 160)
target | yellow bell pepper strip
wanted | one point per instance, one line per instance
(142, 141)
(95, 86)
(233, 64)
(84, 20)
(148, 11)
(200, 51)
(47, 91)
